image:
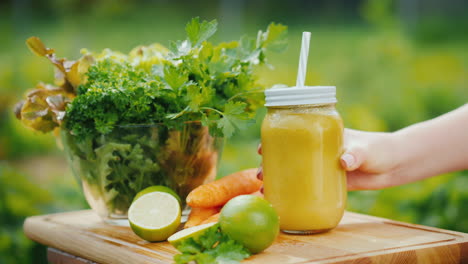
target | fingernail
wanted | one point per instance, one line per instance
(262, 190)
(348, 160)
(260, 173)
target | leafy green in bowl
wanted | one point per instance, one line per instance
(154, 116)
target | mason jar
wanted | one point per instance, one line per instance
(302, 141)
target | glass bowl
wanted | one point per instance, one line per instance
(113, 168)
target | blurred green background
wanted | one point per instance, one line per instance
(394, 63)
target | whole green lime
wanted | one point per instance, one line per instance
(158, 188)
(250, 220)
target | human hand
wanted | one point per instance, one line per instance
(422, 150)
(369, 160)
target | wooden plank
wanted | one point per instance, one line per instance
(358, 239)
(55, 256)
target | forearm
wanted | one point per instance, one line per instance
(433, 147)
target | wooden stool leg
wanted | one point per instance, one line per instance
(55, 256)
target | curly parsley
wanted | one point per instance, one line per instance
(192, 81)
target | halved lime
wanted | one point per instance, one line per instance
(154, 216)
(191, 232)
(158, 188)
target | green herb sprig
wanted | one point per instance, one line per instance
(212, 247)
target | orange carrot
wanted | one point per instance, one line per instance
(217, 193)
(198, 215)
(212, 219)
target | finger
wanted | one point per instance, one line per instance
(259, 150)
(353, 158)
(260, 173)
(357, 180)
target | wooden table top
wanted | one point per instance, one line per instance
(358, 239)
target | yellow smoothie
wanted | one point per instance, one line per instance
(303, 179)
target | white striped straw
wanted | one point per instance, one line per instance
(302, 71)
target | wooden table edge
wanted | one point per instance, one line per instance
(57, 256)
(459, 244)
